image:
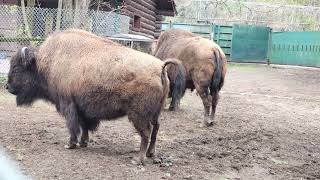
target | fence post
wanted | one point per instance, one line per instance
(269, 47)
(211, 32)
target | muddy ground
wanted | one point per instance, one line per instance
(267, 127)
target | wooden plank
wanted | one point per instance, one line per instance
(145, 26)
(158, 25)
(159, 17)
(137, 7)
(135, 11)
(131, 12)
(146, 4)
(146, 23)
(152, 2)
(145, 20)
(157, 35)
(141, 30)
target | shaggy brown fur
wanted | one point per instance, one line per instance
(90, 78)
(204, 61)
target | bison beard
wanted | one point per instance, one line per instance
(103, 80)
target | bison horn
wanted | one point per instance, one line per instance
(23, 52)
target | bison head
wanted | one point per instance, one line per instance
(22, 80)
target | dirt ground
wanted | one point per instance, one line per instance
(267, 127)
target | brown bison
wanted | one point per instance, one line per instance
(89, 78)
(204, 62)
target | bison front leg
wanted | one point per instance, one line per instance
(68, 109)
(174, 105)
(84, 137)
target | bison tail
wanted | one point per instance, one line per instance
(178, 83)
(217, 79)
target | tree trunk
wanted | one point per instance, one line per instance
(25, 19)
(98, 4)
(68, 13)
(31, 3)
(67, 4)
(58, 22)
(81, 9)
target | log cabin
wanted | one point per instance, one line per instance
(145, 15)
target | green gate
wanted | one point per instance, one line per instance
(222, 35)
(296, 48)
(250, 43)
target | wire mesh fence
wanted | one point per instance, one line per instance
(29, 26)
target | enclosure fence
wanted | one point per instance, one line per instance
(279, 17)
(259, 44)
(29, 26)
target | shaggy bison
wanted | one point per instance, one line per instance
(204, 62)
(88, 79)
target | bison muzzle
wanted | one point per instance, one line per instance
(88, 79)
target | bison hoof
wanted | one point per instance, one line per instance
(150, 154)
(70, 146)
(83, 144)
(206, 124)
(209, 124)
(171, 108)
(137, 161)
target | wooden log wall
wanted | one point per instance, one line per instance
(159, 19)
(147, 11)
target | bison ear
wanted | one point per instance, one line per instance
(27, 56)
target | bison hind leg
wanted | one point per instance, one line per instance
(84, 136)
(215, 98)
(86, 126)
(143, 126)
(155, 123)
(206, 100)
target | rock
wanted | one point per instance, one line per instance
(189, 177)
(156, 161)
(163, 160)
(19, 157)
